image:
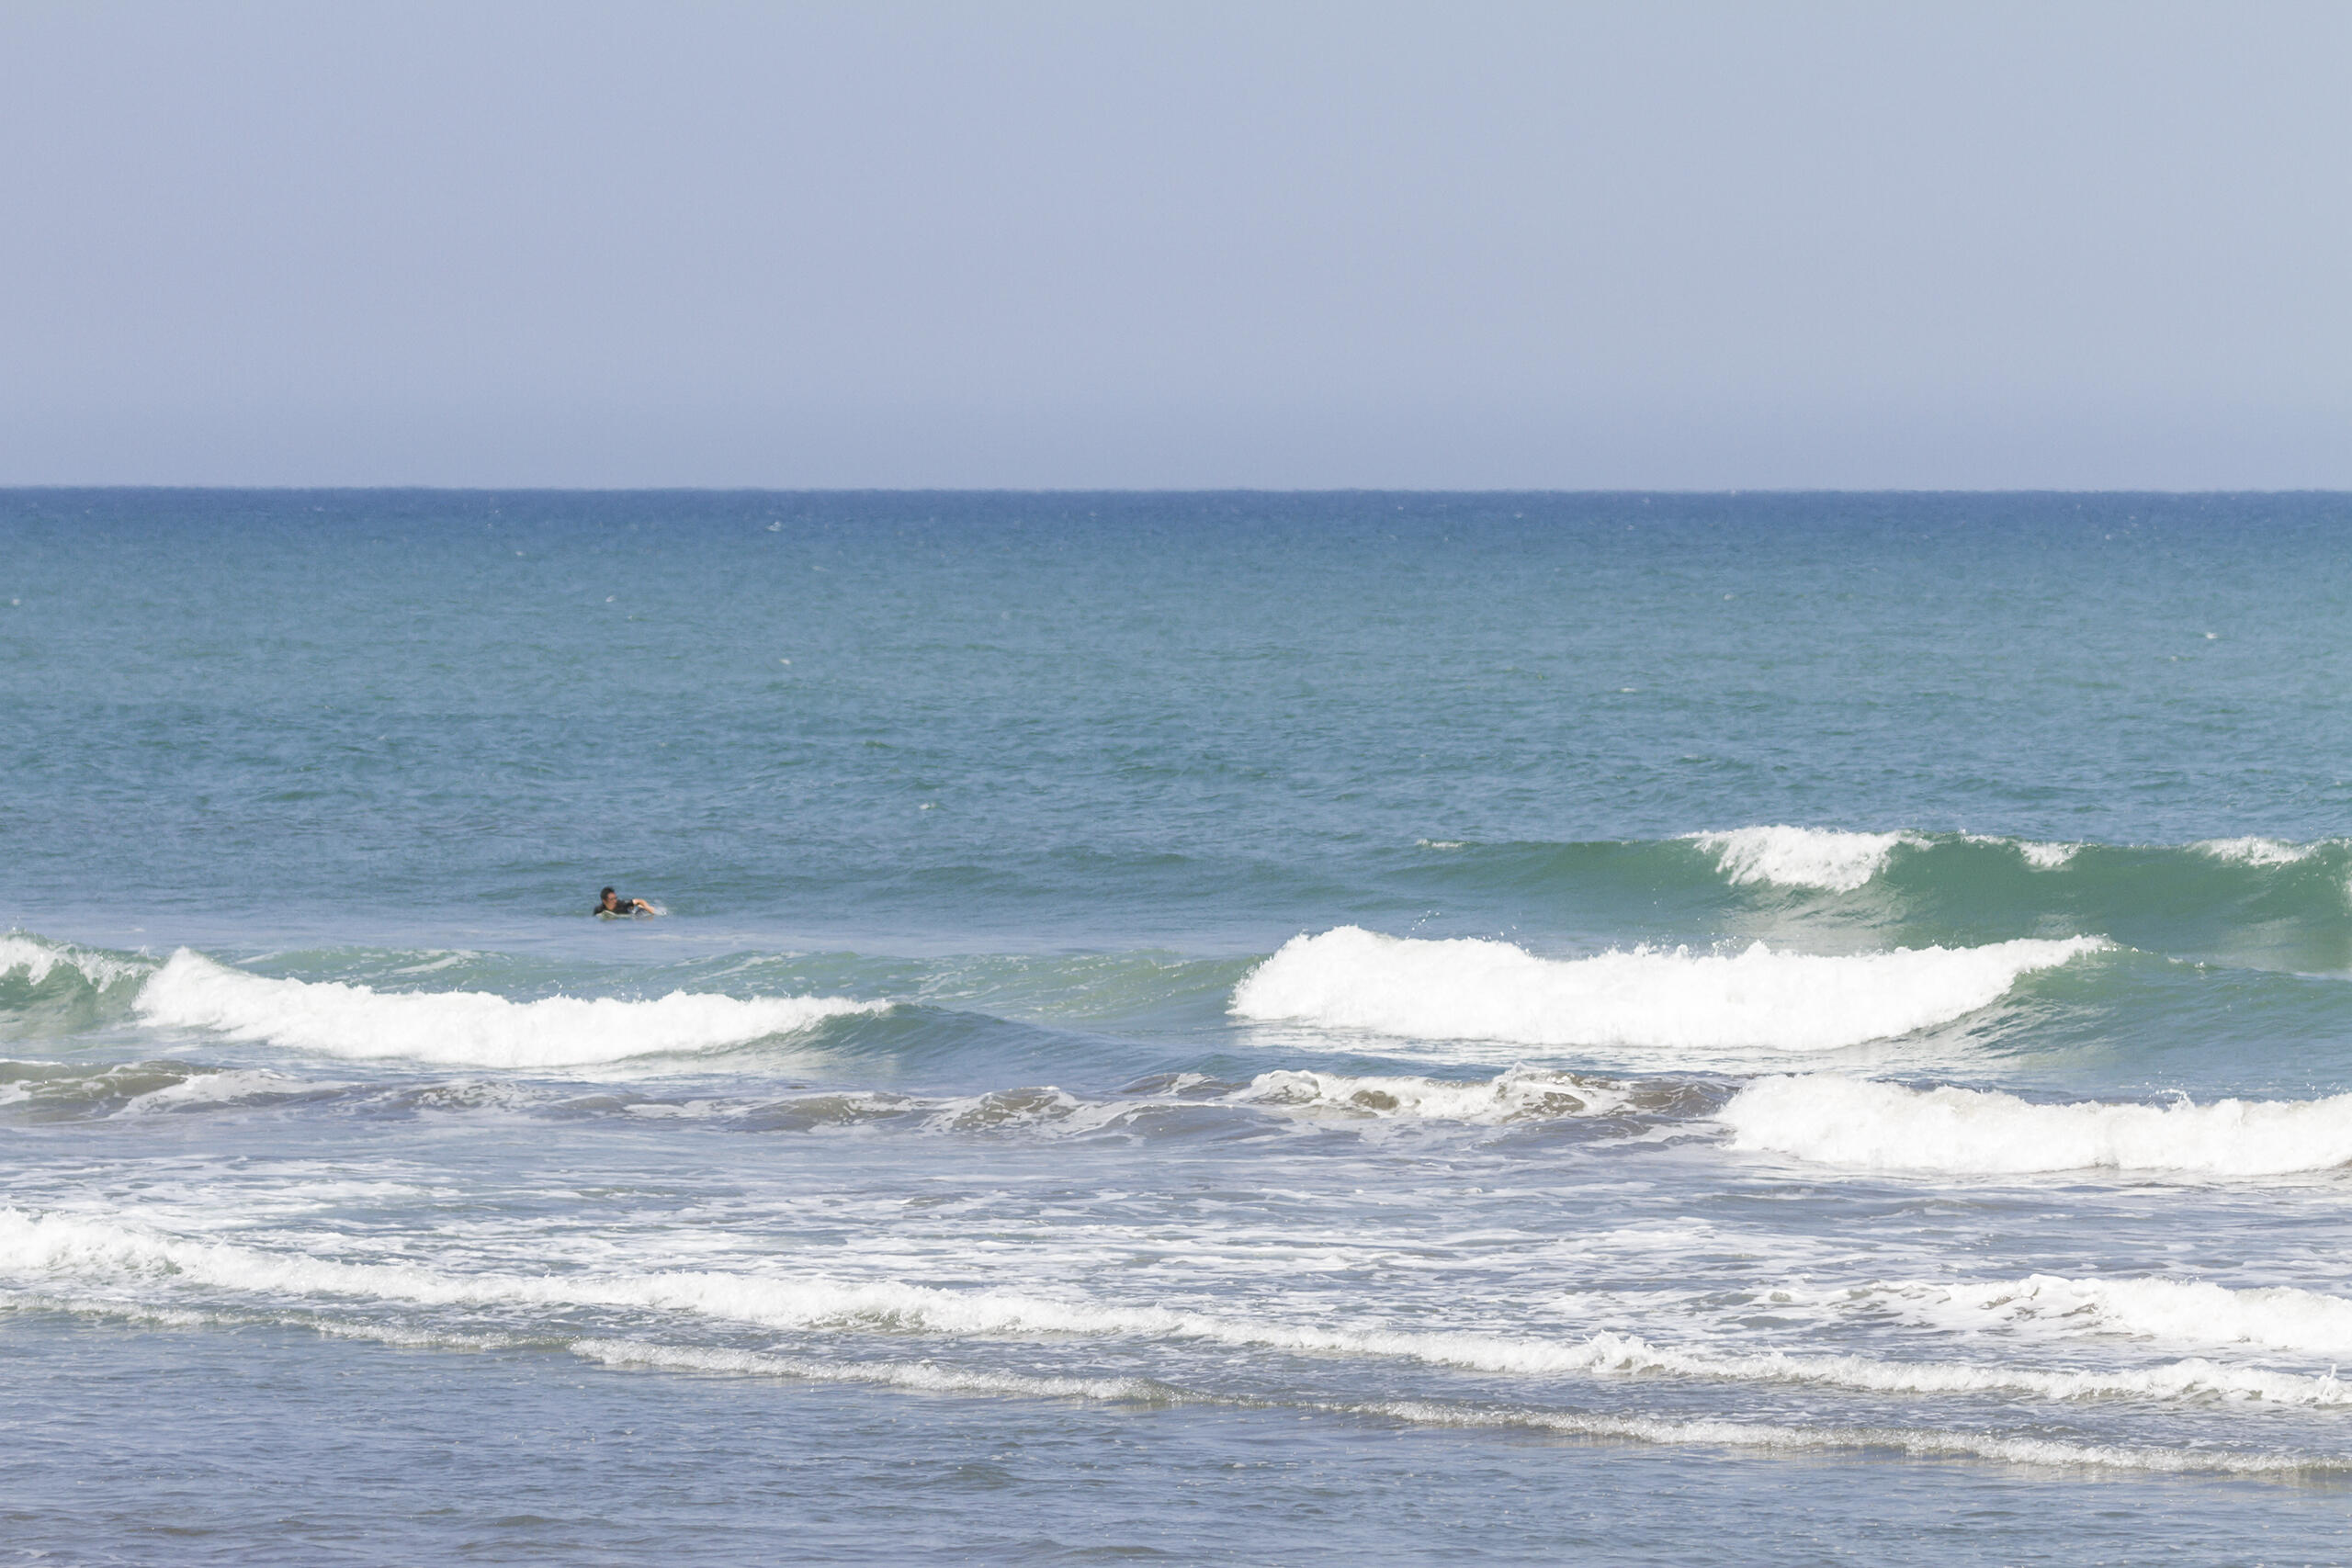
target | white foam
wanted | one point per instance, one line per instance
(1043, 1108)
(930, 1377)
(436, 963)
(81, 1247)
(1922, 1442)
(2253, 851)
(2040, 856)
(1609, 1355)
(925, 1376)
(470, 1028)
(1830, 1119)
(1802, 857)
(224, 1089)
(36, 957)
(1521, 1094)
(2180, 1312)
(1473, 990)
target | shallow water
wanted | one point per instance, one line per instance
(1236, 1027)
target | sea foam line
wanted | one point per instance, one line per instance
(1863, 1125)
(79, 1247)
(929, 1377)
(1919, 1443)
(470, 1028)
(1292, 1095)
(1473, 990)
(1924, 1442)
(923, 1376)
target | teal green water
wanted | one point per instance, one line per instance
(1497, 1027)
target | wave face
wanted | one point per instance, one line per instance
(1474, 989)
(1864, 1125)
(55, 987)
(465, 1028)
(31, 960)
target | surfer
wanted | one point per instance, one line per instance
(608, 903)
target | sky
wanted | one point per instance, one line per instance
(1280, 244)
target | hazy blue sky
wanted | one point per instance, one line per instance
(1280, 244)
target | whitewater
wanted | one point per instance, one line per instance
(1678, 1004)
(470, 1027)
(1227, 1028)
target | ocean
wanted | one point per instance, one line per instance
(1212, 1028)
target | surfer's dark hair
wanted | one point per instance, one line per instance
(600, 894)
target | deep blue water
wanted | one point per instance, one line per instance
(1243, 1027)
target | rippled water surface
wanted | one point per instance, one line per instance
(1240, 1028)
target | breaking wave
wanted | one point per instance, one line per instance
(1473, 990)
(55, 987)
(1804, 857)
(1868, 1125)
(1837, 860)
(31, 960)
(2258, 852)
(468, 1028)
(2265, 903)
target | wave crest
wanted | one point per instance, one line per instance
(2257, 852)
(35, 958)
(466, 1028)
(1474, 989)
(1804, 857)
